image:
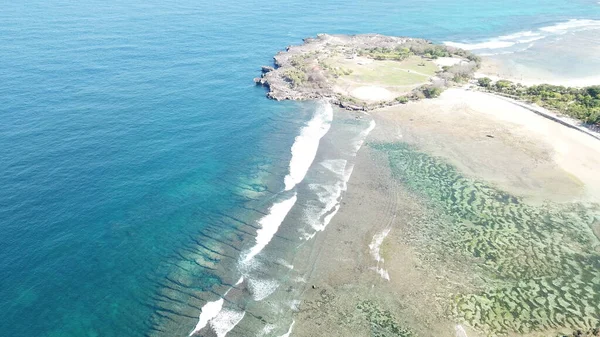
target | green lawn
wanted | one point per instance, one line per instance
(390, 73)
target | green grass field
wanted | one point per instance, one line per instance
(389, 73)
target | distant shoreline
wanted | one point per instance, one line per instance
(496, 71)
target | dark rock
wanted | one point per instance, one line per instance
(266, 69)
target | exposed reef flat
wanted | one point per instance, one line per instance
(466, 215)
(363, 72)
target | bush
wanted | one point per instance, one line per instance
(503, 85)
(402, 99)
(484, 82)
(582, 104)
(295, 77)
(432, 92)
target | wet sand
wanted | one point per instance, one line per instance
(345, 272)
(383, 267)
(492, 139)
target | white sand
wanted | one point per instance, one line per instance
(372, 93)
(447, 61)
(574, 151)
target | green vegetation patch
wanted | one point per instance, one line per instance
(541, 264)
(579, 103)
(382, 322)
(296, 77)
(388, 73)
(399, 53)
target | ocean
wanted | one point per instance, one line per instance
(148, 187)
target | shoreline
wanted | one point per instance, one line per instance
(433, 176)
(378, 259)
(549, 114)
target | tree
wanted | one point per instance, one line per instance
(402, 99)
(503, 85)
(432, 92)
(484, 82)
(593, 91)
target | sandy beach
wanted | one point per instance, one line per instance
(392, 262)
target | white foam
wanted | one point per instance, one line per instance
(269, 225)
(287, 334)
(491, 44)
(261, 289)
(329, 196)
(295, 305)
(359, 141)
(225, 321)
(375, 250)
(306, 144)
(460, 331)
(575, 24)
(285, 263)
(266, 329)
(209, 311)
(517, 40)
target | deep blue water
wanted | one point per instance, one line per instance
(127, 128)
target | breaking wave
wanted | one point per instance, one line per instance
(306, 144)
(526, 39)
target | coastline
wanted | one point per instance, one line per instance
(497, 69)
(376, 267)
(380, 253)
(560, 54)
(551, 115)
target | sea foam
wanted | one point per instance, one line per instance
(261, 289)
(524, 40)
(289, 332)
(375, 250)
(209, 311)
(222, 320)
(269, 225)
(225, 321)
(329, 195)
(306, 144)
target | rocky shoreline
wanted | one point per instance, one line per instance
(323, 66)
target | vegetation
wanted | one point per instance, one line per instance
(295, 77)
(582, 104)
(335, 71)
(538, 264)
(403, 66)
(402, 99)
(381, 53)
(382, 323)
(484, 82)
(432, 91)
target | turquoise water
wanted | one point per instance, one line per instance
(127, 130)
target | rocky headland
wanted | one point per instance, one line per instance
(364, 72)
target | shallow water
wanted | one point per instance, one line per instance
(137, 159)
(539, 264)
